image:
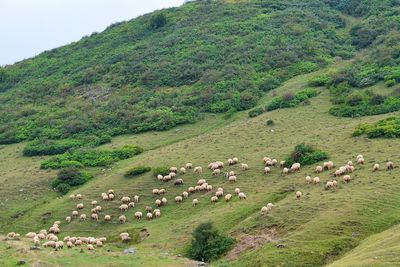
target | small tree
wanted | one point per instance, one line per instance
(208, 243)
(158, 21)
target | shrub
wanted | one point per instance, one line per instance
(50, 147)
(158, 21)
(305, 155)
(322, 80)
(63, 188)
(68, 173)
(289, 100)
(390, 83)
(256, 112)
(207, 243)
(270, 122)
(69, 177)
(387, 128)
(161, 170)
(137, 171)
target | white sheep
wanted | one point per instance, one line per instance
(328, 165)
(298, 195)
(228, 197)
(72, 196)
(267, 170)
(182, 170)
(360, 161)
(149, 216)
(270, 206)
(219, 193)
(178, 199)
(375, 167)
(232, 179)
(122, 218)
(78, 196)
(264, 210)
(189, 165)
(173, 169)
(389, 165)
(80, 206)
(138, 215)
(244, 166)
(94, 203)
(94, 216)
(68, 219)
(185, 194)
(164, 201)
(308, 180)
(123, 207)
(216, 172)
(285, 171)
(195, 201)
(346, 178)
(136, 198)
(198, 170)
(158, 203)
(74, 213)
(214, 199)
(155, 191)
(107, 218)
(318, 169)
(316, 180)
(131, 204)
(82, 217)
(237, 191)
(242, 196)
(160, 177)
(90, 247)
(125, 199)
(282, 163)
(329, 185)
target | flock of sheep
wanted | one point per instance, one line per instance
(51, 240)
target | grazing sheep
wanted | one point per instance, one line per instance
(172, 174)
(282, 163)
(230, 162)
(244, 166)
(334, 182)
(164, 201)
(235, 160)
(185, 194)
(360, 161)
(107, 218)
(242, 196)
(83, 217)
(214, 199)
(195, 201)
(389, 165)
(189, 165)
(167, 178)
(216, 172)
(125, 200)
(123, 207)
(90, 247)
(98, 208)
(149, 209)
(157, 213)
(68, 219)
(359, 156)
(99, 243)
(131, 204)
(328, 165)
(219, 193)
(329, 185)
(285, 171)
(94, 203)
(274, 162)
(78, 242)
(182, 170)
(105, 197)
(93, 210)
(201, 181)
(30, 235)
(75, 213)
(111, 196)
(191, 189)
(80, 206)
(220, 164)
(122, 218)
(268, 163)
(267, 170)
(228, 197)
(94, 216)
(298, 195)
(138, 215)
(295, 167)
(209, 187)
(232, 179)
(264, 210)
(198, 188)
(316, 180)
(72, 196)
(350, 163)
(198, 170)
(346, 178)
(136, 198)
(173, 169)
(308, 180)
(149, 216)
(70, 244)
(78, 196)
(178, 182)
(265, 159)
(318, 169)
(375, 167)
(270, 206)
(156, 191)
(237, 191)
(178, 199)
(158, 203)
(220, 189)
(160, 177)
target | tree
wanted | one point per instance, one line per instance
(158, 21)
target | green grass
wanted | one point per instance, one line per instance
(316, 231)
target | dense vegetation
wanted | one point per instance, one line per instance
(305, 155)
(91, 157)
(207, 243)
(137, 171)
(69, 177)
(163, 69)
(389, 128)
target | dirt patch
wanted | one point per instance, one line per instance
(251, 241)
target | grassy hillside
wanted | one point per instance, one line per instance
(193, 72)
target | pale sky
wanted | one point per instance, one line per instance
(28, 27)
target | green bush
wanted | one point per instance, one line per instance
(69, 177)
(207, 243)
(50, 147)
(289, 100)
(63, 188)
(161, 170)
(305, 155)
(137, 171)
(256, 112)
(322, 80)
(390, 83)
(158, 21)
(270, 122)
(387, 128)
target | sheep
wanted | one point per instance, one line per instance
(189, 165)
(264, 210)
(90, 247)
(107, 218)
(131, 204)
(149, 209)
(160, 177)
(214, 199)
(350, 163)
(216, 172)
(201, 181)
(11, 235)
(164, 201)
(68, 219)
(172, 174)
(328, 165)
(98, 208)
(232, 179)
(375, 167)
(125, 200)
(158, 203)
(72, 196)
(228, 197)
(78, 242)
(41, 236)
(173, 169)
(70, 244)
(30, 235)
(346, 178)
(124, 236)
(157, 213)
(155, 191)
(265, 159)
(182, 170)
(136, 198)
(219, 193)
(59, 244)
(268, 163)
(242, 196)
(389, 165)
(82, 217)
(267, 170)
(105, 197)
(198, 170)
(285, 171)
(78, 196)
(122, 218)
(209, 187)
(167, 178)
(74, 213)
(138, 215)
(94, 203)
(298, 195)
(178, 199)
(93, 210)
(178, 182)
(237, 191)
(185, 194)
(334, 182)
(282, 163)
(318, 169)
(295, 167)
(94, 217)
(195, 201)
(359, 156)
(191, 189)
(99, 243)
(244, 166)
(308, 180)
(230, 162)
(198, 188)
(80, 206)
(111, 196)
(49, 244)
(220, 164)
(270, 206)
(329, 185)
(316, 180)
(220, 189)
(235, 160)
(149, 216)
(360, 161)
(123, 207)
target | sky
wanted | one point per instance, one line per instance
(28, 27)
